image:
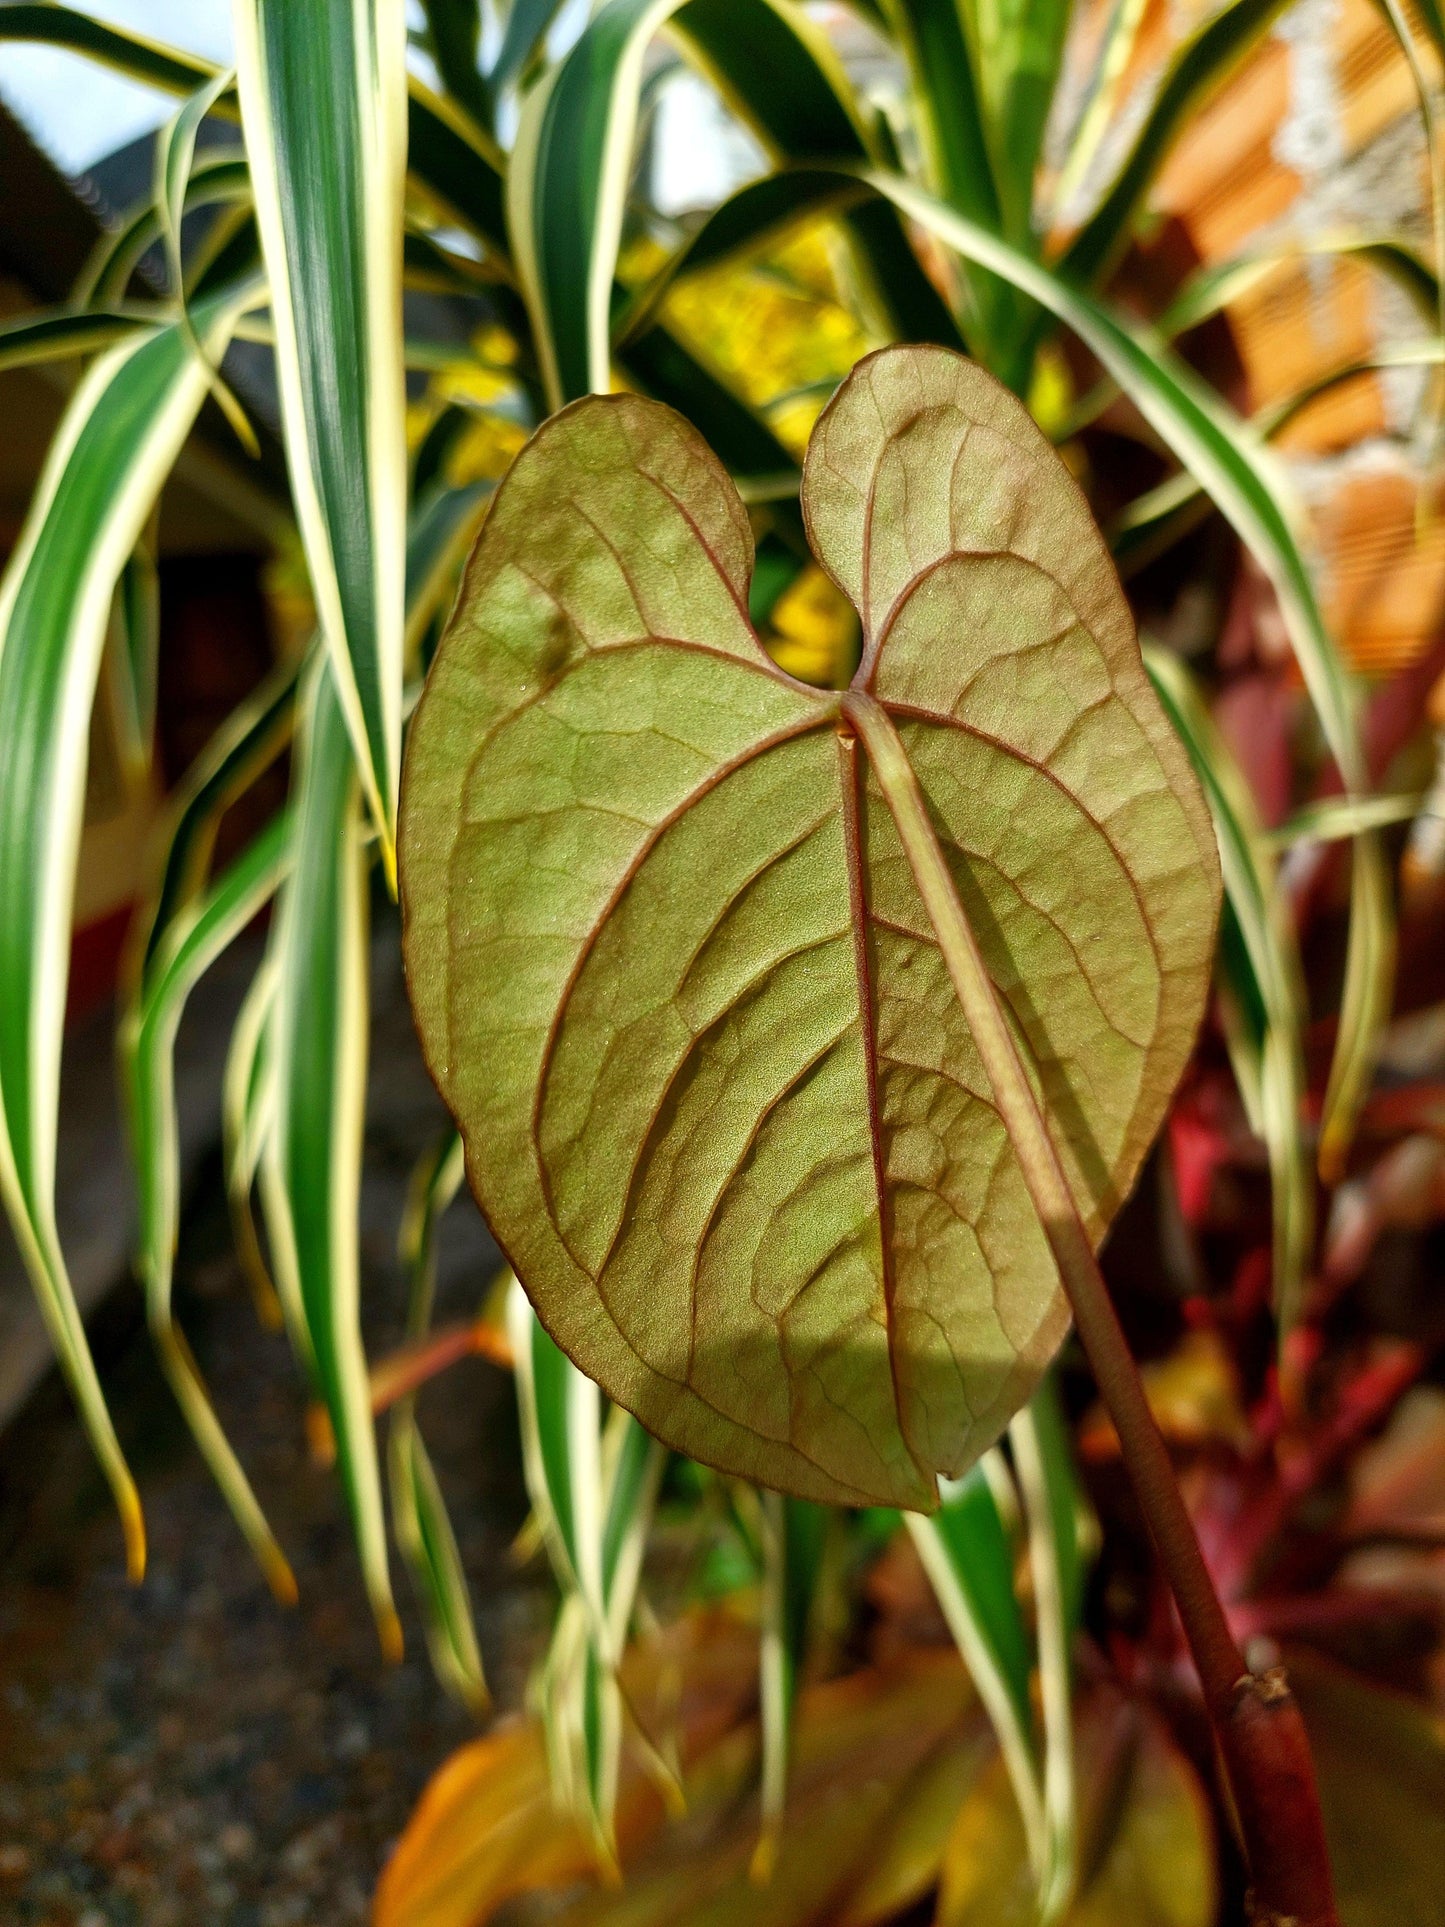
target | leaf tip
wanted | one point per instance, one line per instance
(765, 1855)
(387, 840)
(279, 1576)
(133, 1525)
(1334, 1148)
(388, 1630)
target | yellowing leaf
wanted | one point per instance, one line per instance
(487, 1827)
(881, 1760)
(1148, 1849)
(671, 966)
(1381, 1761)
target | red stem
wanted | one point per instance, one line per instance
(1255, 1719)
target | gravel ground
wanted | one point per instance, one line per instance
(187, 1751)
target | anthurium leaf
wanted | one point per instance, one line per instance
(673, 972)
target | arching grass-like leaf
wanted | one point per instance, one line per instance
(1043, 1463)
(592, 1491)
(1266, 957)
(779, 72)
(454, 31)
(147, 1056)
(1202, 64)
(217, 181)
(171, 69)
(793, 1534)
(567, 180)
(323, 104)
(1019, 47)
(423, 1528)
(311, 1167)
(249, 740)
(175, 156)
(246, 1110)
(966, 1553)
(121, 432)
(957, 152)
(528, 22)
(453, 160)
(135, 624)
(672, 971)
(58, 336)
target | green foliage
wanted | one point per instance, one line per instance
(358, 181)
(719, 1107)
(323, 110)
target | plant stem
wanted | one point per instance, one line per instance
(1255, 1719)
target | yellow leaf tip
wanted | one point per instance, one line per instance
(133, 1525)
(765, 1857)
(279, 1576)
(388, 860)
(1333, 1155)
(388, 1630)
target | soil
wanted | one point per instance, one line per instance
(188, 1751)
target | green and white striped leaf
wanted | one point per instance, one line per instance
(528, 24)
(120, 434)
(454, 161)
(444, 523)
(135, 623)
(1100, 97)
(967, 1554)
(175, 158)
(311, 1167)
(1043, 1465)
(567, 181)
(1260, 965)
(1209, 290)
(457, 166)
(245, 745)
(778, 71)
(419, 1514)
(560, 1415)
(566, 188)
(170, 69)
(593, 1491)
(1331, 819)
(454, 34)
(957, 157)
(323, 109)
(1019, 48)
(1201, 65)
(181, 956)
(1426, 94)
(247, 1091)
(60, 335)
(1145, 527)
(215, 181)
(793, 1535)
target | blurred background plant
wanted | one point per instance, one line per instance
(1202, 242)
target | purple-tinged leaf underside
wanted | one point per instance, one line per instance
(670, 965)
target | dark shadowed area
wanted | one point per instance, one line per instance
(190, 1751)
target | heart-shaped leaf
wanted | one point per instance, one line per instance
(671, 966)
